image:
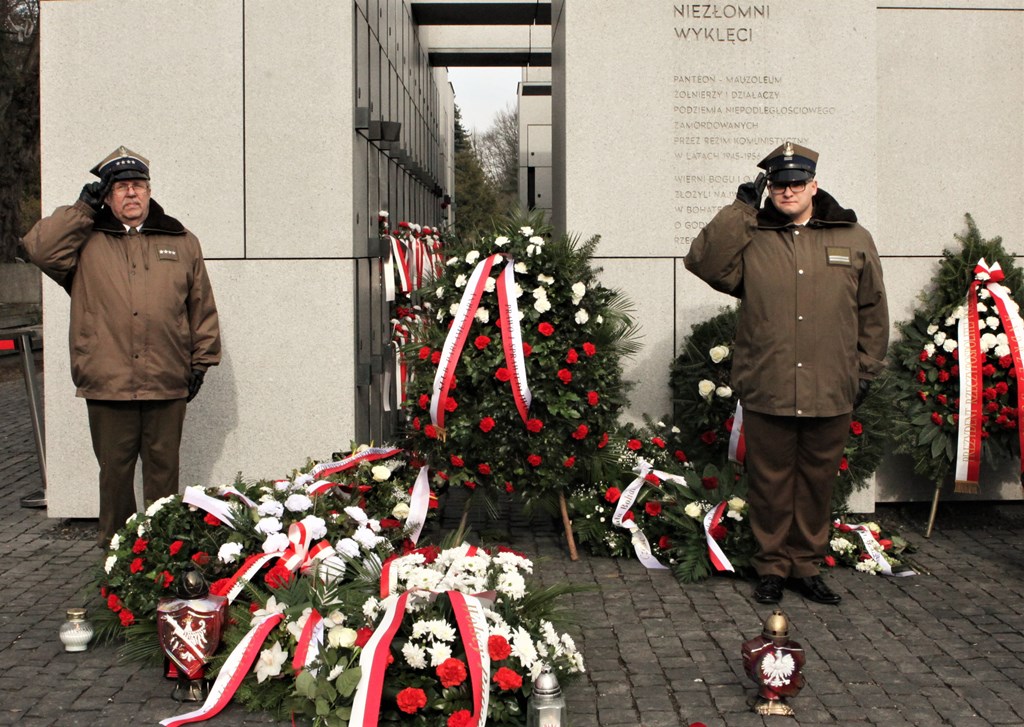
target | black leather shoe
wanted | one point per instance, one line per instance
(814, 589)
(769, 589)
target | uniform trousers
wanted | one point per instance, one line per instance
(792, 464)
(122, 431)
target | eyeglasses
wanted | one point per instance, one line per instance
(780, 187)
(138, 186)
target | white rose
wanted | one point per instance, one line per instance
(723, 392)
(705, 388)
(520, 268)
(341, 637)
(581, 316)
(719, 354)
(694, 511)
(380, 473)
(452, 309)
(400, 511)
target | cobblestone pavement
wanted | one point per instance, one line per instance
(942, 648)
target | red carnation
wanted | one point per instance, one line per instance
(658, 442)
(462, 718)
(653, 508)
(140, 545)
(1002, 388)
(424, 401)
(503, 374)
(923, 356)
(534, 425)
(469, 484)
(940, 361)
(416, 423)
(589, 349)
(363, 634)
(451, 672)
(481, 342)
(936, 419)
(486, 424)
(943, 376)
(652, 479)
(410, 700)
(164, 578)
(942, 399)
(628, 516)
(211, 520)
(592, 398)
(546, 329)
(430, 431)
(569, 462)
(727, 424)
(527, 349)
(581, 432)
(220, 587)
(435, 358)
(572, 357)
(534, 460)
(710, 483)
(509, 488)
(278, 576)
(456, 461)
(680, 455)
(174, 547)
(508, 679)
(830, 561)
(922, 376)
(843, 465)
(718, 532)
(450, 404)
(564, 375)
(664, 542)
(857, 428)
(634, 444)
(498, 647)
(988, 370)
(114, 603)
(127, 617)
(612, 494)
(137, 565)
(201, 558)
(1005, 362)
(709, 437)
(424, 353)
(483, 468)
(604, 441)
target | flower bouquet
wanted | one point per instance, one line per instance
(433, 637)
(966, 307)
(867, 548)
(705, 407)
(517, 382)
(360, 499)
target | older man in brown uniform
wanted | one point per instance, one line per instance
(144, 326)
(813, 330)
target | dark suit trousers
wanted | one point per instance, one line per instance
(122, 431)
(792, 464)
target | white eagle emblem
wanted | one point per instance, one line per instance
(777, 668)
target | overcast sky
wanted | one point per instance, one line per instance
(482, 92)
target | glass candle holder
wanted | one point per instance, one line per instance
(76, 632)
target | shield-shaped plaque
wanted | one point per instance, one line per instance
(190, 630)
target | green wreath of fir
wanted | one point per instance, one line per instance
(924, 371)
(704, 404)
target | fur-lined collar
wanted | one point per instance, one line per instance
(158, 222)
(825, 213)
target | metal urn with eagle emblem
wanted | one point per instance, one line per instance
(774, 662)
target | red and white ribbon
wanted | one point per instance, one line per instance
(373, 662)
(737, 440)
(231, 673)
(512, 339)
(640, 544)
(310, 639)
(220, 509)
(715, 552)
(971, 360)
(370, 454)
(419, 504)
(457, 335)
(877, 552)
(401, 268)
(472, 623)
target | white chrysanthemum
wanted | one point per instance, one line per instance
(523, 647)
(158, 505)
(841, 545)
(115, 542)
(693, 510)
(508, 561)
(482, 314)
(719, 354)
(988, 341)
(270, 662)
(950, 345)
(526, 231)
(275, 543)
(415, 656)
(512, 585)
(270, 508)
(438, 629)
(268, 525)
(315, 526)
(550, 635)
(371, 607)
(297, 502)
(932, 329)
(542, 305)
(425, 578)
(472, 256)
(380, 472)
(868, 566)
(581, 316)
(460, 282)
(439, 654)
(501, 241)
(108, 564)
(723, 392)
(939, 338)
(229, 552)
(706, 388)
(141, 530)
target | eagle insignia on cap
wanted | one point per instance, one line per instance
(789, 151)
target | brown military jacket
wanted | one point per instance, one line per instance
(813, 316)
(142, 309)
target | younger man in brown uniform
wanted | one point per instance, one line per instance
(144, 326)
(813, 330)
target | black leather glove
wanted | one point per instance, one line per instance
(195, 381)
(863, 387)
(93, 194)
(750, 192)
